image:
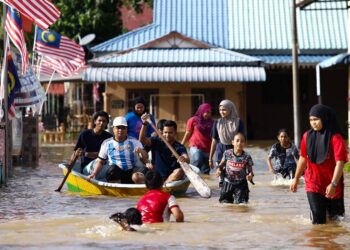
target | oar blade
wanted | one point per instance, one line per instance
(198, 183)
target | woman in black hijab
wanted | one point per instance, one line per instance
(322, 157)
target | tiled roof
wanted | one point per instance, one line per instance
(239, 25)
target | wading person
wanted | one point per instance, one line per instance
(322, 157)
(238, 167)
(90, 140)
(156, 205)
(198, 131)
(224, 129)
(283, 156)
(121, 153)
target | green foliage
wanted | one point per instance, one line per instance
(136, 4)
(347, 167)
(82, 17)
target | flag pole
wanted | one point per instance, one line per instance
(6, 165)
(47, 90)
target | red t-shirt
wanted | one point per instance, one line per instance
(319, 176)
(197, 139)
(155, 206)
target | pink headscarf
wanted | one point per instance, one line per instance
(204, 125)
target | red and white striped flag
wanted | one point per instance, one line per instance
(13, 27)
(52, 44)
(41, 12)
(61, 67)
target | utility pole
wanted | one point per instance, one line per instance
(295, 66)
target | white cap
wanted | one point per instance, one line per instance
(120, 121)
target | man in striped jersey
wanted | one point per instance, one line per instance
(122, 154)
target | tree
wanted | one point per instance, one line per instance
(82, 17)
(137, 4)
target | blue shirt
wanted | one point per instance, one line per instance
(165, 161)
(135, 123)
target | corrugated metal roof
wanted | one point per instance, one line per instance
(239, 25)
(175, 74)
(178, 56)
(335, 60)
(287, 59)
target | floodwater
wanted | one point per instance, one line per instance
(33, 216)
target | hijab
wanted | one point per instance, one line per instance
(317, 142)
(228, 126)
(138, 100)
(203, 125)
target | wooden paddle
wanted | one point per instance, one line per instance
(69, 167)
(199, 184)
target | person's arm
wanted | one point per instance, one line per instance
(143, 132)
(186, 137)
(184, 158)
(220, 167)
(211, 154)
(299, 172)
(97, 169)
(269, 164)
(142, 153)
(177, 213)
(338, 172)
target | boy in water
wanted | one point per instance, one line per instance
(156, 205)
(130, 217)
(238, 167)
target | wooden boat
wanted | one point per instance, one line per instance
(77, 182)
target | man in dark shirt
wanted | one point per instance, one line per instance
(165, 162)
(90, 140)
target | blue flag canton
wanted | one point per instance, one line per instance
(15, 16)
(13, 83)
(49, 38)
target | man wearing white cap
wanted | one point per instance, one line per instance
(122, 154)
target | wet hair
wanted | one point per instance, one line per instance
(283, 130)
(153, 180)
(170, 123)
(133, 216)
(160, 124)
(100, 113)
(241, 134)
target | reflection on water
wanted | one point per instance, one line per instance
(32, 215)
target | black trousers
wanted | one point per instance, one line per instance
(321, 206)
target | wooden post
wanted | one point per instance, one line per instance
(296, 111)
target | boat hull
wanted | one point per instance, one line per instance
(79, 183)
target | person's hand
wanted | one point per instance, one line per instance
(181, 159)
(330, 191)
(91, 176)
(272, 171)
(149, 165)
(138, 150)
(294, 185)
(79, 152)
(211, 164)
(249, 177)
(218, 172)
(144, 117)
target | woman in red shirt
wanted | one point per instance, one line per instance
(322, 157)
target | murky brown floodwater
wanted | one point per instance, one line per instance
(33, 216)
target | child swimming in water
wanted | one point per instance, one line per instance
(130, 217)
(283, 156)
(238, 167)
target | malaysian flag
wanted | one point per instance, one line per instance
(51, 44)
(42, 12)
(61, 67)
(13, 85)
(13, 27)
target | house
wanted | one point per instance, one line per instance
(209, 50)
